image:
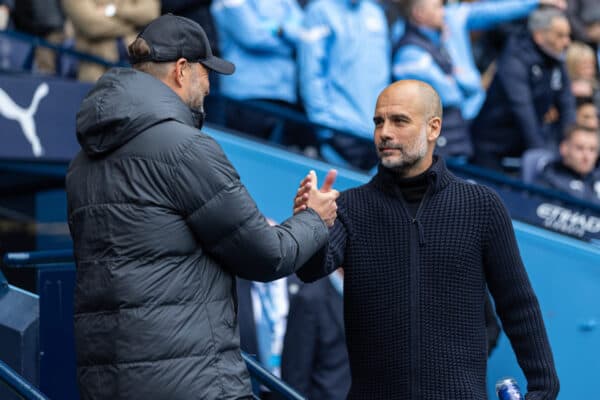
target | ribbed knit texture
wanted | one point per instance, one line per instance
(414, 301)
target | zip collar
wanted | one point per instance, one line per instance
(438, 177)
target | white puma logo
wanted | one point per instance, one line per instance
(24, 116)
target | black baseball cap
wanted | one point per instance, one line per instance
(172, 37)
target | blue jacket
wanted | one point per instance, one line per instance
(557, 176)
(249, 37)
(454, 139)
(463, 88)
(527, 84)
(344, 63)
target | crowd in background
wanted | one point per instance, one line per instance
(514, 75)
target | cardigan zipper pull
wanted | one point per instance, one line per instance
(420, 230)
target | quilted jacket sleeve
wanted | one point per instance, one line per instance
(228, 225)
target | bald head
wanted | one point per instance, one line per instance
(426, 96)
(407, 124)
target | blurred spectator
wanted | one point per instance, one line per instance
(5, 14)
(262, 314)
(196, 10)
(530, 98)
(260, 37)
(584, 17)
(43, 18)
(344, 62)
(581, 66)
(315, 359)
(576, 172)
(436, 49)
(587, 115)
(105, 29)
(14, 54)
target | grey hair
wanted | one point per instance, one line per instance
(541, 19)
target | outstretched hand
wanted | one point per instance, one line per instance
(321, 200)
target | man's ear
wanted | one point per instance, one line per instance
(434, 127)
(538, 37)
(179, 72)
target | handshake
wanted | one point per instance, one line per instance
(321, 200)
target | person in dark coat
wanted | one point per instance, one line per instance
(584, 17)
(575, 172)
(529, 103)
(419, 246)
(315, 359)
(161, 225)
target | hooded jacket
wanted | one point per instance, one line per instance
(161, 224)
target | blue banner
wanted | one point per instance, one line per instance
(575, 219)
(37, 117)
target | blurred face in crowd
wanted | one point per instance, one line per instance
(580, 151)
(429, 13)
(556, 38)
(405, 127)
(585, 68)
(587, 116)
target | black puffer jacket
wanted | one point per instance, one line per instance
(161, 224)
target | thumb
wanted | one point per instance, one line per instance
(329, 180)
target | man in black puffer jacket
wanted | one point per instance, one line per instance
(161, 224)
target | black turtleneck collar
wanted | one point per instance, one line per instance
(437, 174)
(412, 189)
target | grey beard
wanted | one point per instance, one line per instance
(404, 166)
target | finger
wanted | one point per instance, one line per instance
(304, 189)
(305, 180)
(329, 180)
(301, 200)
(313, 178)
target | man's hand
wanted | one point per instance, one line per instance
(321, 200)
(551, 116)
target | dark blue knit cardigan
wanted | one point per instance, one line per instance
(414, 290)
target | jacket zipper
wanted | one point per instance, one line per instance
(417, 239)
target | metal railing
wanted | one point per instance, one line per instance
(18, 384)
(53, 257)
(36, 41)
